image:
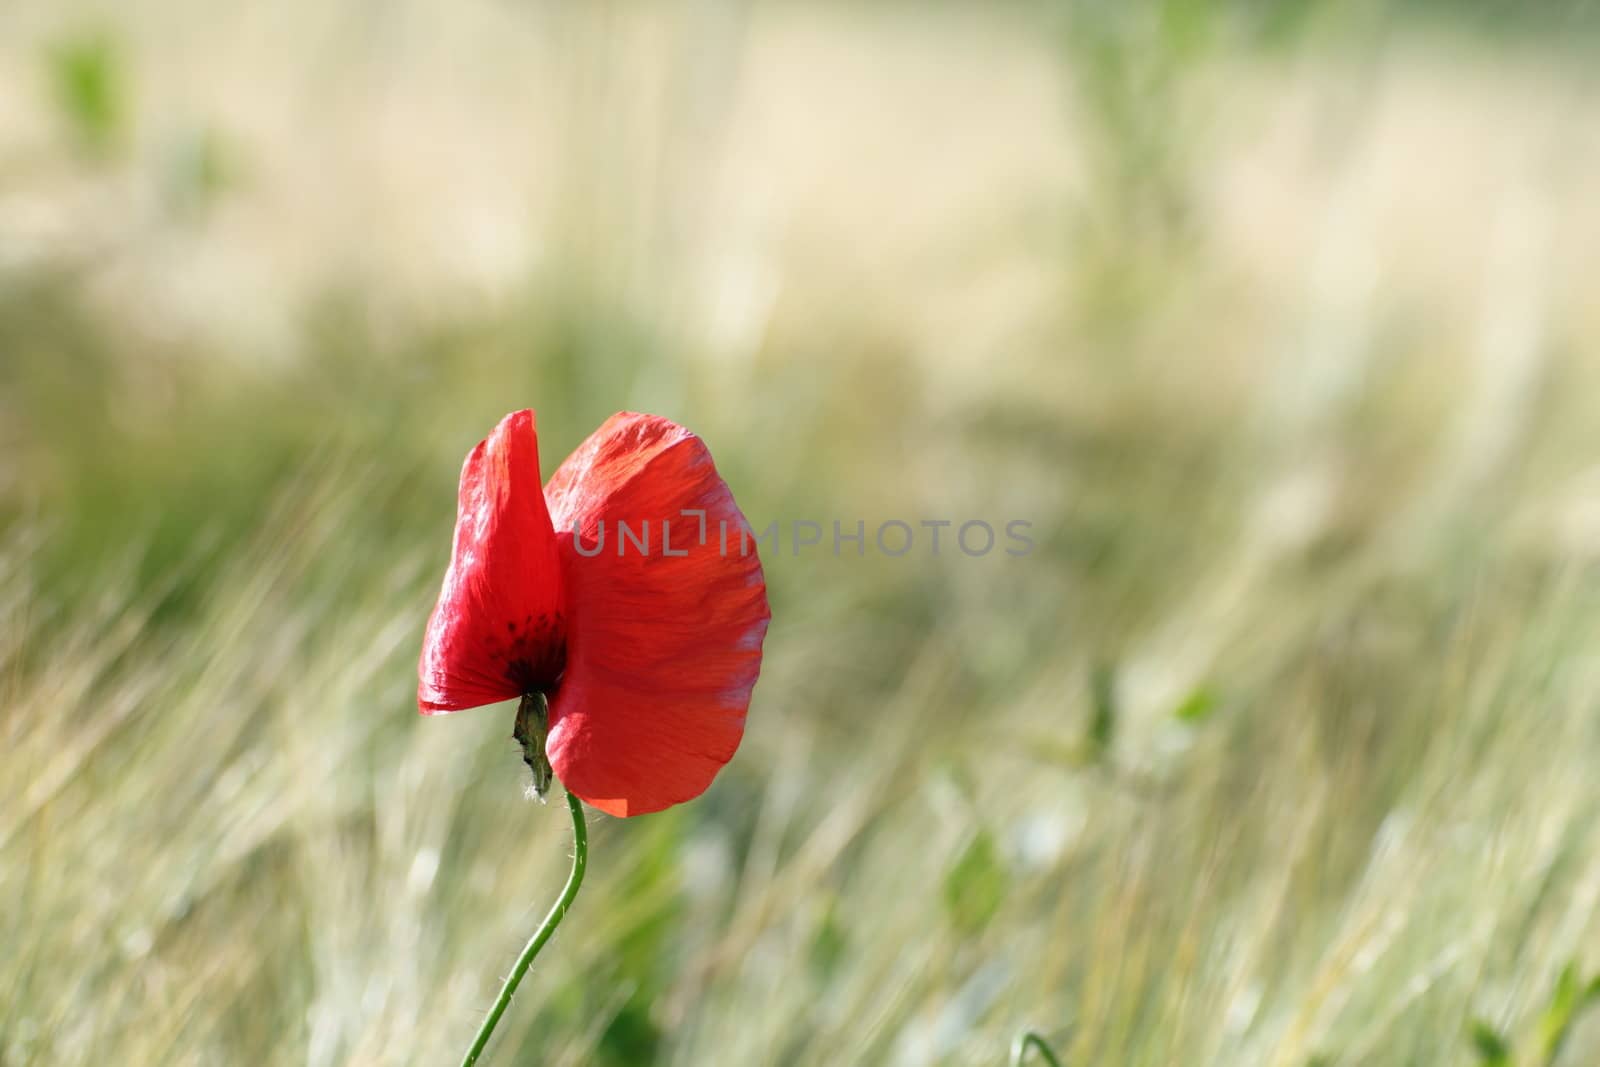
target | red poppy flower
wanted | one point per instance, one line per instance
(622, 591)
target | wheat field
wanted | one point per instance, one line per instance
(1278, 325)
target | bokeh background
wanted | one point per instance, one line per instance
(1279, 321)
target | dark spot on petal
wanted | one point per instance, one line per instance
(534, 657)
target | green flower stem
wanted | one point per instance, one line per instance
(580, 858)
(1019, 1049)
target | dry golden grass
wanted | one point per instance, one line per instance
(1278, 750)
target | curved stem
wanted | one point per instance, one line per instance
(580, 858)
(1019, 1049)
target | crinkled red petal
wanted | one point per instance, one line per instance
(497, 631)
(662, 649)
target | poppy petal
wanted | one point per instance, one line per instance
(497, 631)
(664, 640)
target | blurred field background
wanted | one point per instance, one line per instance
(1280, 322)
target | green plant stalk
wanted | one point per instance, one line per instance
(1019, 1049)
(580, 859)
